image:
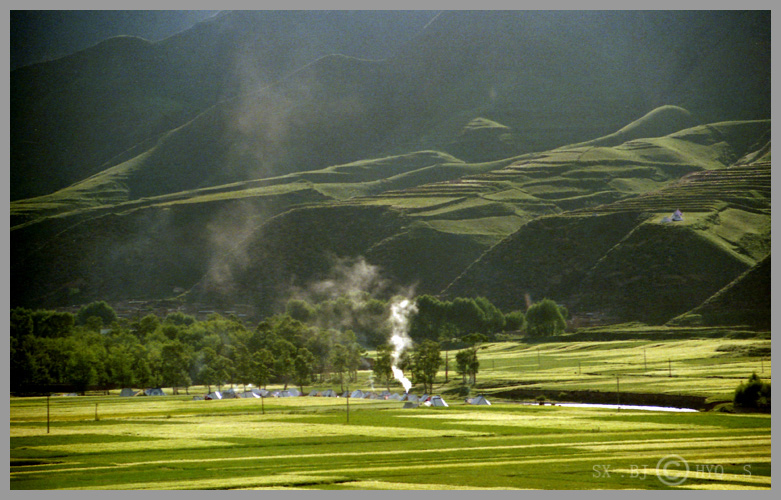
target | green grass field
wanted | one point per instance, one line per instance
(306, 442)
(175, 442)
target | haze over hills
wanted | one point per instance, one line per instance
(511, 155)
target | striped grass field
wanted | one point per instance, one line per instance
(176, 443)
(706, 367)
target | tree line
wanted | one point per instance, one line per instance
(307, 344)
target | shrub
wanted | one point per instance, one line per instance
(753, 393)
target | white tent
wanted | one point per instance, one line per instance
(214, 395)
(395, 397)
(294, 392)
(314, 393)
(357, 393)
(438, 401)
(154, 392)
(412, 398)
(284, 394)
(677, 216)
(127, 392)
(249, 394)
(229, 394)
(328, 393)
(478, 400)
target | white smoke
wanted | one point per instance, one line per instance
(400, 313)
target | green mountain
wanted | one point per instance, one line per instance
(511, 155)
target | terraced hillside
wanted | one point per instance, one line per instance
(620, 260)
(577, 223)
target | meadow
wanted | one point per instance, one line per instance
(175, 442)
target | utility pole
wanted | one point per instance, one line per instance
(348, 404)
(262, 405)
(645, 360)
(96, 412)
(618, 393)
(669, 367)
(446, 352)
(47, 412)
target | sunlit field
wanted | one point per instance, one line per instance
(710, 368)
(176, 442)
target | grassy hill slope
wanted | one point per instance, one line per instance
(253, 94)
(619, 260)
(579, 224)
(745, 301)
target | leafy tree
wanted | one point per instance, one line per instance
(142, 370)
(119, 366)
(262, 363)
(339, 362)
(207, 373)
(224, 368)
(22, 323)
(180, 319)
(515, 321)
(146, 325)
(284, 353)
(81, 369)
(53, 324)
(464, 363)
(98, 309)
(426, 362)
(383, 364)
(242, 360)
(303, 365)
(545, 318)
(354, 357)
(320, 345)
(430, 317)
(176, 359)
(300, 310)
(493, 320)
(472, 363)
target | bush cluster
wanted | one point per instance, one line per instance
(753, 394)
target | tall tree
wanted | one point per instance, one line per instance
(176, 359)
(427, 360)
(303, 365)
(262, 363)
(545, 318)
(339, 362)
(383, 364)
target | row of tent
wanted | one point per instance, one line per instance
(253, 393)
(126, 392)
(410, 399)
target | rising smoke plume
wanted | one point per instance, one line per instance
(400, 313)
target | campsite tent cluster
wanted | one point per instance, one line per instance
(409, 400)
(127, 392)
